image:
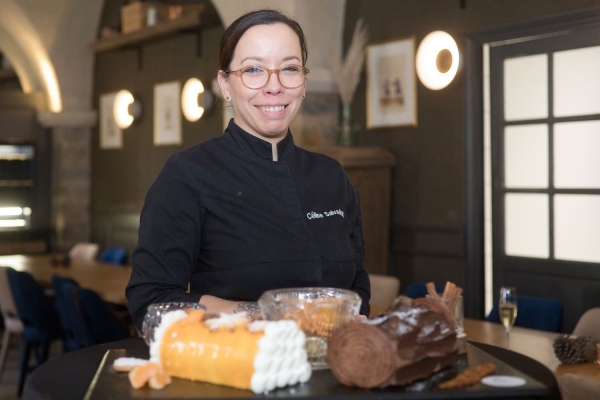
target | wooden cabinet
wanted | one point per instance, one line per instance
(370, 171)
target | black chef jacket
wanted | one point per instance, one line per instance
(227, 219)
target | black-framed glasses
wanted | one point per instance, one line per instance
(256, 77)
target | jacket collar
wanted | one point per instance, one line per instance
(260, 147)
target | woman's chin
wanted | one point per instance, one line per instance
(273, 132)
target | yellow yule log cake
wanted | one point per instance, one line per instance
(231, 350)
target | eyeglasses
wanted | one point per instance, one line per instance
(256, 77)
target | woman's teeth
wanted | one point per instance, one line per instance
(272, 109)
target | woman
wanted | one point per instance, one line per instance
(249, 211)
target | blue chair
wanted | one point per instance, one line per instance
(68, 313)
(417, 290)
(40, 320)
(534, 313)
(98, 323)
(114, 255)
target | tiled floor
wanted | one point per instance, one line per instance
(10, 378)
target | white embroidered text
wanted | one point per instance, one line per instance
(314, 215)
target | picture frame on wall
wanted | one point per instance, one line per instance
(391, 83)
(167, 114)
(111, 136)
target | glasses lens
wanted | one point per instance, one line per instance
(290, 76)
(255, 77)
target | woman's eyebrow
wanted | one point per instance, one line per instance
(254, 58)
(289, 58)
(261, 59)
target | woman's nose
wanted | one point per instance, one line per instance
(273, 85)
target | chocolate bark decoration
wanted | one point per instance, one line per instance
(409, 341)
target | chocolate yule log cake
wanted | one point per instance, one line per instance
(231, 350)
(411, 340)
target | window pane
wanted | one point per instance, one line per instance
(576, 83)
(526, 229)
(577, 227)
(526, 156)
(576, 160)
(526, 87)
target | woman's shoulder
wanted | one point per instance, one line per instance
(200, 152)
(319, 159)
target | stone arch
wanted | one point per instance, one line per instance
(21, 44)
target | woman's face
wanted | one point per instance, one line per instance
(266, 112)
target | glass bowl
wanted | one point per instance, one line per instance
(318, 312)
(156, 311)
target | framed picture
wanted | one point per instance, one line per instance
(167, 113)
(111, 136)
(391, 84)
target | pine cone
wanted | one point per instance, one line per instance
(589, 351)
(571, 350)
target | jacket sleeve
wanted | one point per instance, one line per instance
(168, 241)
(361, 284)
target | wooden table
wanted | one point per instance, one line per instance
(530, 342)
(108, 280)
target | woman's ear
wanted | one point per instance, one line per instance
(224, 85)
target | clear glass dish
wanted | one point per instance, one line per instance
(318, 312)
(156, 311)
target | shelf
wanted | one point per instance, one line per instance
(16, 183)
(192, 21)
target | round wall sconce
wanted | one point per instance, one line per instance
(437, 60)
(126, 109)
(195, 100)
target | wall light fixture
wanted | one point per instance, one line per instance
(126, 109)
(437, 60)
(15, 217)
(195, 100)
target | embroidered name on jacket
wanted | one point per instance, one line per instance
(315, 215)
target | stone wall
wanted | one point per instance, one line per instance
(71, 186)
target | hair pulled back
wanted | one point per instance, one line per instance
(236, 30)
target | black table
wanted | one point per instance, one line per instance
(69, 377)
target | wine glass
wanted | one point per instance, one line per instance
(508, 307)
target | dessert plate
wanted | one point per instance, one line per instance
(503, 381)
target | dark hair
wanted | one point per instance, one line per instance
(236, 30)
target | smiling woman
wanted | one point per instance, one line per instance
(249, 211)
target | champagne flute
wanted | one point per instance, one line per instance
(508, 307)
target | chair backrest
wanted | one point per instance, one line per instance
(84, 251)
(589, 324)
(67, 311)
(36, 310)
(417, 290)
(12, 322)
(384, 290)
(100, 321)
(114, 255)
(79, 334)
(534, 312)
(575, 387)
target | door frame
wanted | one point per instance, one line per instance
(473, 127)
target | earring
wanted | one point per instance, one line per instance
(304, 95)
(226, 98)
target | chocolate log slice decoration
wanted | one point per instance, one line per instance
(411, 340)
(364, 355)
